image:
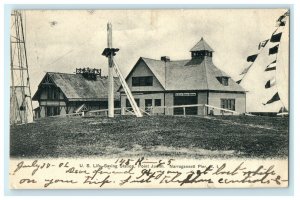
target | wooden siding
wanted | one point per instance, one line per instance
(142, 98)
(240, 101)
(142, 70)
(202, 99)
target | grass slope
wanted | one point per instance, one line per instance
(160, 135)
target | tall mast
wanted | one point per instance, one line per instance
(110, 73)
(110, 52)
(20, 93)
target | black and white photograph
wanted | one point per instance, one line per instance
(149, 98)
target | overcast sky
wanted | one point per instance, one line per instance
(60, 41)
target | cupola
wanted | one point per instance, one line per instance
(201, 50)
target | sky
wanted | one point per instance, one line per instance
(63, 40)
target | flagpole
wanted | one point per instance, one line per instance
(110, 73)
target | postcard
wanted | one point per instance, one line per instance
(179, 98)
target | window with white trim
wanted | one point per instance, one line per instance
(228, 104)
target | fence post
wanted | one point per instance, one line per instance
(183, 111)
(82, 114)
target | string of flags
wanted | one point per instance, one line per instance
(275, 38)
(252, 59)
(270, 83)
(282, 19)
(273, 50)
(273, 99)
(271, 66)
(263, 44)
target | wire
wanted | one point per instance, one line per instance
(70, 51)
(59, 58)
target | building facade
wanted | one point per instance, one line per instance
(163, 84)
(61, 93)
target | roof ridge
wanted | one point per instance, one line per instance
(61, 73)
(205, 58)
(179, 76)
(149, 58)
(164, 61)
(75, 86)
(76, 74)
(223, 73)
(179, 60)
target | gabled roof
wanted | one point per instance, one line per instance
(201, 46)
(75, 87)
(195, 74)
(157, 68)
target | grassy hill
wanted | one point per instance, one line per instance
(194, 136)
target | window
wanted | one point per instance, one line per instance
(228, 104)
(52, 93)
(52, 110)
(142, 81)
(56, 94)
(148, 103)
(128, 105)
(49, 93)
(56, 110)
(135, 81)
(157, 102)
(223, 80)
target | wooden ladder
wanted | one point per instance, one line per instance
(136, 109)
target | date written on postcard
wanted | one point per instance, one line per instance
(145, 172)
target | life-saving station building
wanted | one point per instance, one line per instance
(167, 83)
(62, 93)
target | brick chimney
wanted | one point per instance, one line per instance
(165, 58)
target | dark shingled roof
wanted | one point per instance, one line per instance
(201, 46)
(195, 74)
(77, 88)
